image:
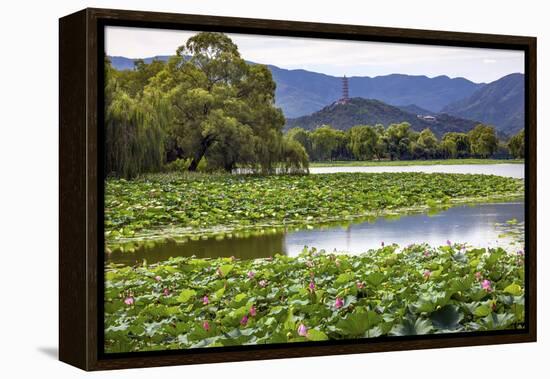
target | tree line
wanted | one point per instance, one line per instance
(205, 106)
(400, 142)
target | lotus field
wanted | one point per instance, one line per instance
(179, 204)
(187, 302)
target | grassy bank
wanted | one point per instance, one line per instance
(415, 162)
(194, 204)
(188, 303)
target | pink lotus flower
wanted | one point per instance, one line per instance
(449, 243)
(166, 292)
(478, 276)
(302, 330)
(251, 274)
(262, 283)
(486, 285)
(205, 300)
(206, 325)
(427, 274)
(252, 311)
(244, 320)
(339, 303)
(382, 243)
(312, 286)
(521, 252)
(129, 300)
(360, 285)
(158, 278)
(426, 253)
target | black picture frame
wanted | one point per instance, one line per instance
(81, 186)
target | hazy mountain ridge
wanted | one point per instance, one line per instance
(500, 103)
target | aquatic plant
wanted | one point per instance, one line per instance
(166, 205)
(382, 292)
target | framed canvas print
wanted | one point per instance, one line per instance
(238, 189)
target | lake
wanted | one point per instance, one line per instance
(513, 170)
(471, 224)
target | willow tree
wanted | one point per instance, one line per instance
(397, 139)
(134, 136)
(222, 106)
(483, 140)
(427, 143)
(516, 145)
(363, 141)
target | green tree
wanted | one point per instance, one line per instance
(295, 158)
(363, 142)
(326, 142)
(134, 81)
(134, 130)
(303, 137)
(483, 140)
(380, 149)
(427, 143)
(397, 140)
(222, 105)
(516, 145)
(342, 146)
(455, 145)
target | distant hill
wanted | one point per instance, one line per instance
(500, 103)
(359, 111)
(414, 109)
(302, 92)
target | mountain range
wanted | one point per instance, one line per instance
(500, 103)
(301, 93)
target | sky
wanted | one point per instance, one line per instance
(331, 57)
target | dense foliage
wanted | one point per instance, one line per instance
(192, 303)
(517, 144)
(199, 203)
(205, 103)
(401, 142)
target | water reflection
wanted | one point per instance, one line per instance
(474, 225)
(261, 246)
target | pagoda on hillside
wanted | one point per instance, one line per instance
(345, 91)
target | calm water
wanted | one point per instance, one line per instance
(501, 169)
(474, 225)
